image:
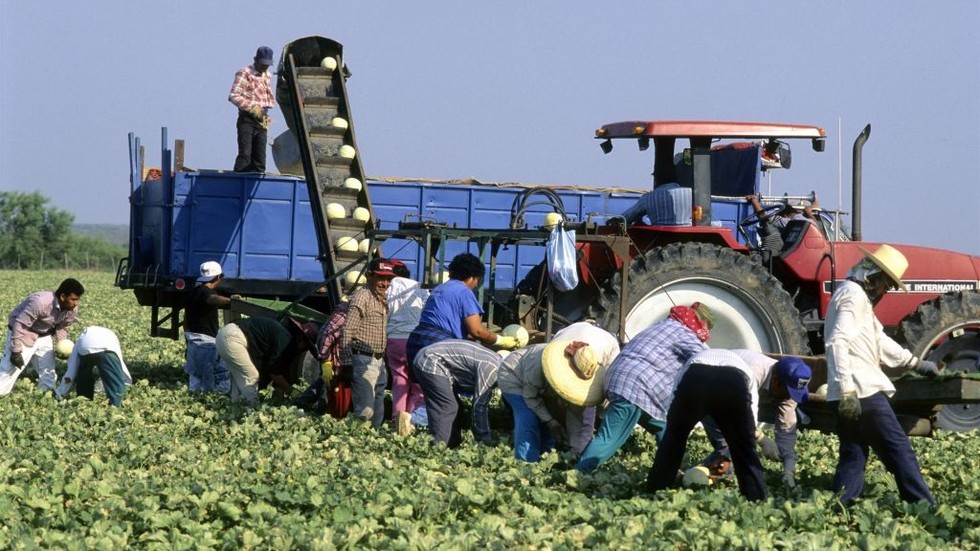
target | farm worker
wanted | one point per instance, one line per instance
(251, 93)
(363, 342)
(448, 369)
(452, 311)
(405, 302)
(97, 349)
(330, 392)
(259, 351)
(772, 226)
(640, 380)
(552, 389)
(30, 329)
(857, 347)
(725, 385)
(669, 204)
(327, 351)
(205, 371)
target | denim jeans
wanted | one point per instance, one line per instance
(878, 429)
(368, 387)
(205, 370)
(109, 371)
(531, 436)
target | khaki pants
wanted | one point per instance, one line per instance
(233, 350)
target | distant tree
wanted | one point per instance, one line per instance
(30, 230)
(91, 253)
(36, 236)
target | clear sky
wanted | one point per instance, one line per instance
(513, 91)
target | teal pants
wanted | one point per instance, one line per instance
(617, 425)
(109, 370)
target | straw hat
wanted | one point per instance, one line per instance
(891, 261)
(577, 378)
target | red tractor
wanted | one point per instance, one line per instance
(775, 301)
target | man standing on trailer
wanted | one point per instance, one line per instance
(857, 347)
(252, 94)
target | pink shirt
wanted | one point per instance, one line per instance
(38, 316)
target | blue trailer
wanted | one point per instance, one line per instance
(261, 228)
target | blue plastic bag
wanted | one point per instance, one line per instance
(562, 259)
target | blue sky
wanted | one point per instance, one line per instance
(513, 91)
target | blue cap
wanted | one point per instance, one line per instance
(795, 374)
(263, 55)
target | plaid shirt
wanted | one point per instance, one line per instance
(367, 324)
(472, 368)
(252, 89)
(645, 370)
(328, 340)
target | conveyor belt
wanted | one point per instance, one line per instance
(312, 93)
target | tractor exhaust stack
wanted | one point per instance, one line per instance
(856, 160)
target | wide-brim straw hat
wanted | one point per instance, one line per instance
(891, 261)
(565, 380)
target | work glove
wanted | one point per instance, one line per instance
(927, 368)
(557, 430)
(768, 446)
(257, 113)
(789, 480)
(17, 359)
(326, 369)
(507, 343)
(849, 406)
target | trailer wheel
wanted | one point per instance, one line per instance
(947, 328)
(751, 308)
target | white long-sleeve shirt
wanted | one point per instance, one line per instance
(405, 302)
(93, 339)
(857, 346)
(756, 366)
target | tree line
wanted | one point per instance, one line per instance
(36, 236)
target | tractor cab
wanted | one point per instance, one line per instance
(722, 164)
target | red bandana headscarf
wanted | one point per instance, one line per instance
(690, 319)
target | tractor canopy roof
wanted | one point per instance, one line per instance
(708, 129)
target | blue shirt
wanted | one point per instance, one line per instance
(643, 373)
(667, 205)
(448, 305)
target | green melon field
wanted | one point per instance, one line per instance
(175, 471)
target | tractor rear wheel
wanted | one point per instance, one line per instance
(752, 310)
(947, 328)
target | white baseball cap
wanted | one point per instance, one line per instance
(209, 271)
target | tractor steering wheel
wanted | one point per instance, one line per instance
(768, 212)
